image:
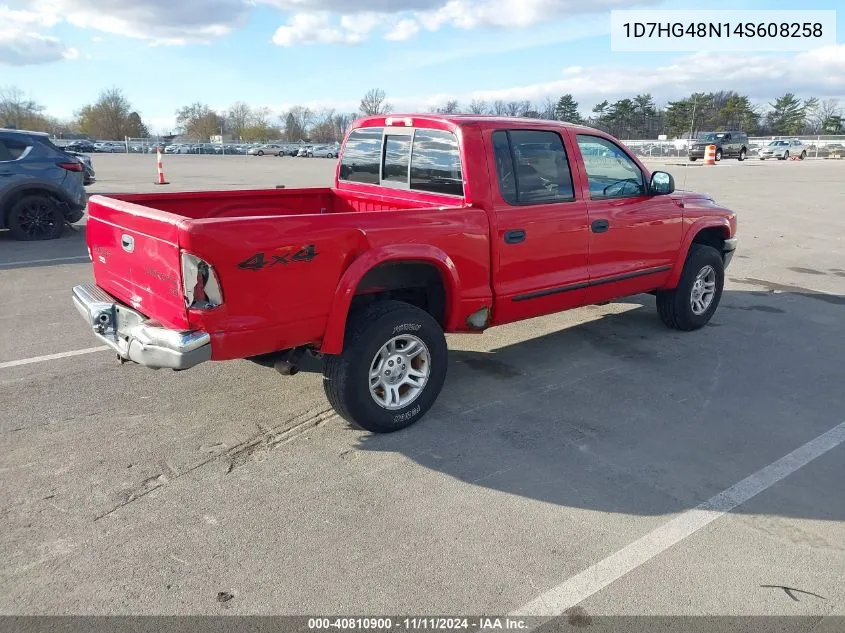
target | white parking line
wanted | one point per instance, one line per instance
(31, 262)
(593, 579)
(40, 359)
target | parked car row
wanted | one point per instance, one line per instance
(294, 149)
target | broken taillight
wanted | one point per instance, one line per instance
(202, 288)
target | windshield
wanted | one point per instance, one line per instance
(710, 136)
(778, 143)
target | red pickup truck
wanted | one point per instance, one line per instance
(434, 224)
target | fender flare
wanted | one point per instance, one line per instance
(686, 243)
(332, 342)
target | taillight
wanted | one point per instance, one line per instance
(71, 166)
(202, 289)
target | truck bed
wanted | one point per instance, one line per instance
(264, 202)
(279, 254)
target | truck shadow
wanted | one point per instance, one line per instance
(70, 248)
(619, 414)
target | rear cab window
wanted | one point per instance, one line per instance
(418, 159)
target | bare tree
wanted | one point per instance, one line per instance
(828, 109)
(450, 107)
(296, 123)
(514, 108)
(547, 109)
(19, 111)
(198, 121)
(111, 117)
(375, 102)
(323, 130)
(477, 106)
(500, 108)
(238, 118)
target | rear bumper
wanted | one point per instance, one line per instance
(136, 338)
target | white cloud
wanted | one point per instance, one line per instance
(820, 72)
(404, 29)
(25, 48)
(331, 21)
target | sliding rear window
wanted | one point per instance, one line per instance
(420, 160)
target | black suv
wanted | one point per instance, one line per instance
(729, 144)
(41, 186)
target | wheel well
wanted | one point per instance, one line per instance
(9, 201)
(417, 283)
(712, 236)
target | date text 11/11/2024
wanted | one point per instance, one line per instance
(419, 624)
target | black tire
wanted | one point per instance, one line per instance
(718, 155)
(785, 155)
(36, 217)
(803, 155)
(692, 160)
(259, 153)
(346, 378)
(741, 156)
(674, 306)
(329, 155)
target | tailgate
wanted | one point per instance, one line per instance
(136, 257)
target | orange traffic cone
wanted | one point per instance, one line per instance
(161, 180)
(710, 155)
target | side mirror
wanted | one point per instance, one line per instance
(661, 183)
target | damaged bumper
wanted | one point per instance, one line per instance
(136, 338)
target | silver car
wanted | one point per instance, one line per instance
(324, 151)
(783, 149)
(271, 149)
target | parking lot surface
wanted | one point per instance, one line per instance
(545, 476)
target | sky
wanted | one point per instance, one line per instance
(327, 53)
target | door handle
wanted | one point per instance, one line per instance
(600, 226)
(515, 236)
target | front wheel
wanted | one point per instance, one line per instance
(803, 155)
(692, 303)
(785, 155)
(391, 370)
(741, 156)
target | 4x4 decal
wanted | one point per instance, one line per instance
(283, 256)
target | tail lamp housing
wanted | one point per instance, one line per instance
(201, 287)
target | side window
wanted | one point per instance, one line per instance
(436, 163)
(532, 167)
(610, 171)
(11, 150)
(361, 160)
(397, 155)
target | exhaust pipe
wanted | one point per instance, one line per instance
(285, 367)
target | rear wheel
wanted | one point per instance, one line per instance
(741, 154)
(36, 217)
(692, 303)
(259, 153)
(692, 159)
(718, 154)
(391, 370)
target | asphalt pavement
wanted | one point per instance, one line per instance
(592, 458)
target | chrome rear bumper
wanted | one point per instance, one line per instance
(136, 338)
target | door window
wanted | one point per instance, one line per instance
(532, 167)
(610, 171)
(11, 150)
